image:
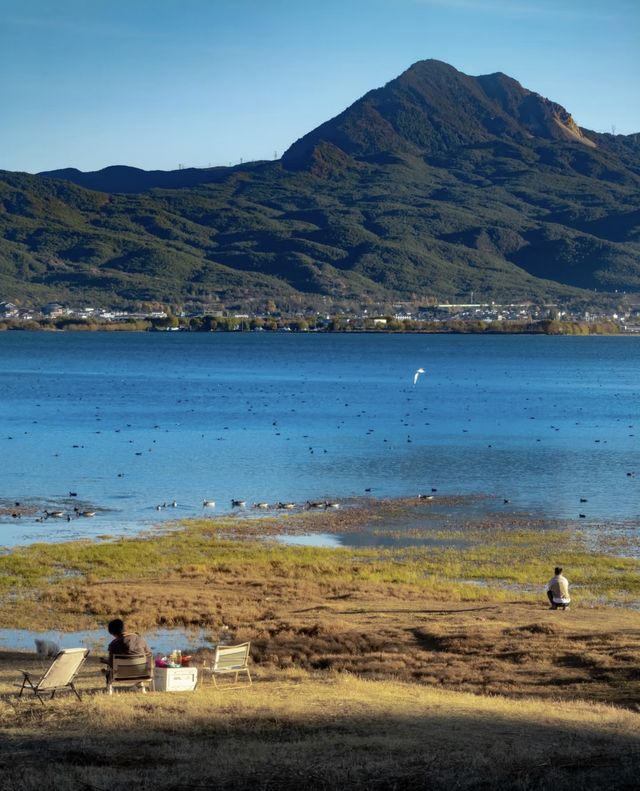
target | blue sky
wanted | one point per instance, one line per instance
(159, 83)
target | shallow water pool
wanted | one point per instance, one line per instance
(160, 641)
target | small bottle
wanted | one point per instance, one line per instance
(179, 657)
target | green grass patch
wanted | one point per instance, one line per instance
(503, 560)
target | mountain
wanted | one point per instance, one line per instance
(432, 187)
(434, 109)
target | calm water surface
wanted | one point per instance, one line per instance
(129, 422)
(160, 640)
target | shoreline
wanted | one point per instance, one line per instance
(417, 515)
(577, 327)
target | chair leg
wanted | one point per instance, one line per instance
(73, 687)
(234, 683)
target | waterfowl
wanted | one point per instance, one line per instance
(261, 505)
(238, 503)
(87, 513)
(287, 506)
(314, 504)
(54, 514)
(208, 503)
(331, 505)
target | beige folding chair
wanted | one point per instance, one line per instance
(60, 674)
(230, 659)
(131, 670)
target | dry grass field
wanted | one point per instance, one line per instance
(437, 667)
(320, 731)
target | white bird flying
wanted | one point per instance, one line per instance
(416, 375)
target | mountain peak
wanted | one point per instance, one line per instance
(432, 108)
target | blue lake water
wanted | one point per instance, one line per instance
(130, 421)
(159, 640)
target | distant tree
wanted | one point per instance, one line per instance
(209, 323)
(298, 325)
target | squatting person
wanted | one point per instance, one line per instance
(558, 590)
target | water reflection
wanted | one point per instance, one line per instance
(312, 540)
(367, 539)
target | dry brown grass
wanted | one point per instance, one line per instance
(316, 731)
(380, 631)
(302, 616)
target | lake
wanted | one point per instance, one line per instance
(131, 422)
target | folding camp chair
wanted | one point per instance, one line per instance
(130, 670)
(60, 674)
(230, 659)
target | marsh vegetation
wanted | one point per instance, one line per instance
(414, 667)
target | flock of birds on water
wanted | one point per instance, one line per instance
(279, 506)
(409, 418)
(77, 513)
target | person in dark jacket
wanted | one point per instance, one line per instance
(125, 643)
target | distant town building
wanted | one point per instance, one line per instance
(52, 310)
(8, 310)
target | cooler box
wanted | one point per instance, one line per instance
(175, 679)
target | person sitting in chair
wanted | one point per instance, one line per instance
(558, 590)
(125, 643)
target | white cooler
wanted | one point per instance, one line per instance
(175, 679)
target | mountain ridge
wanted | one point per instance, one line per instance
(430, 187)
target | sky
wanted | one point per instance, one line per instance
(159, 84)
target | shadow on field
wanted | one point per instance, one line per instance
(237, 743)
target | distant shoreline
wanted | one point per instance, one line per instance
(202, 324)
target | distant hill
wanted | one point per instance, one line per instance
(121, 178)
(434, 186)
